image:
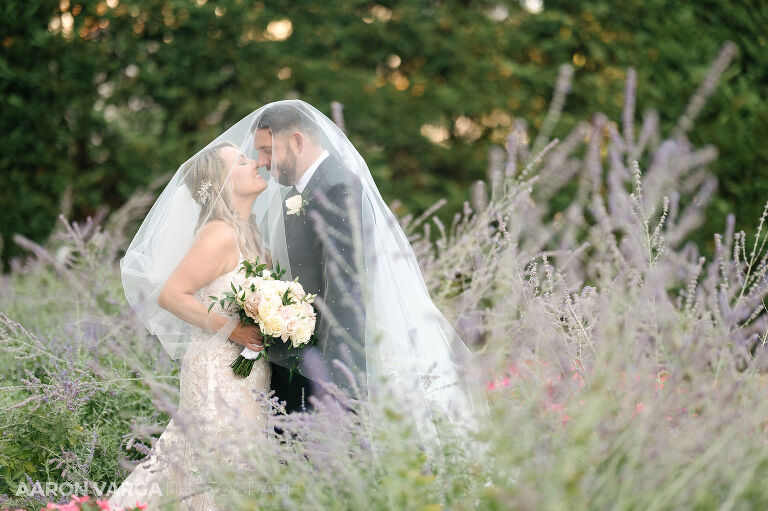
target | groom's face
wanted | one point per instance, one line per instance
(277, 155)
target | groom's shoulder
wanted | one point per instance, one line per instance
(336, 174)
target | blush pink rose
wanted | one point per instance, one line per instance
(251, 305)
(287, 313)
(291, 326)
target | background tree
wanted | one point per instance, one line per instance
(102, 97)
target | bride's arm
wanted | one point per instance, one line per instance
(212, 254)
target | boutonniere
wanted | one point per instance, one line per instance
(296, 205)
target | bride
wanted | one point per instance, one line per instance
(220, 185)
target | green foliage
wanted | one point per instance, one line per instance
(100, 100)
(50, 435)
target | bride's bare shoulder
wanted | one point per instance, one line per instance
(217, 235)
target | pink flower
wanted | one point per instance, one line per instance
(291, 325)
(251, 305)
(498, 383)
(80, 500)
(141, 505)
(71, 506)
(104, 504)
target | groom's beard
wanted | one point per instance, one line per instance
(286, 170)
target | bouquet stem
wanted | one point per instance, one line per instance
(244, 362)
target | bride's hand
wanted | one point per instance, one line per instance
(249, 336)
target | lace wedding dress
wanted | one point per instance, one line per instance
(218, 411)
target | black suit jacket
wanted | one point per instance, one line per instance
(322, 245)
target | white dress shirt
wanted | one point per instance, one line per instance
(311, 170)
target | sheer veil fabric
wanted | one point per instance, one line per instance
(324, 221)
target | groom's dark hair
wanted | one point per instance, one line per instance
(284, 118)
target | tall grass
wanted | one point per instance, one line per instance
(624, 370)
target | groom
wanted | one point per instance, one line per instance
(322, 231)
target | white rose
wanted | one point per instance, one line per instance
(293, 204)
(296, 289)
(266, 309)
(274, 297)
(274, 326)
(308, 309)
(280, 287)
(302, 335)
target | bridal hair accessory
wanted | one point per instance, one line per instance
(204, 193)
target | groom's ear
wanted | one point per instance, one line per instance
(296, 141)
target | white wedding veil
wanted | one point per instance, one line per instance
(345, 245)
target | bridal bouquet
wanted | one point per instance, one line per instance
(281, 309)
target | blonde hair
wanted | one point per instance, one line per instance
(205, 174)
